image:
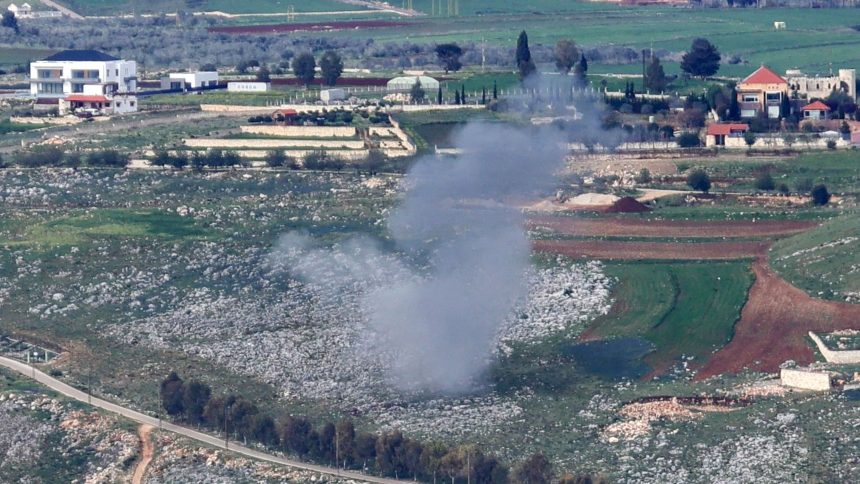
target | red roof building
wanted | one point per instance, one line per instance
(80, 98)
(726, 135)
(816, 110)
(763, 75)
(762, 92)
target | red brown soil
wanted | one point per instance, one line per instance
(624, 250)
(774, 325)
(628, 205)
(307, 27)
(631, 227)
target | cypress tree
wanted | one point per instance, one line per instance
(525, 64)
(439, 95)
(483, 95)
(463, 93)
(457, 96)
(495, 90)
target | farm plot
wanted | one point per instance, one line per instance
(636, 227)
(307, 27)
(626, 250)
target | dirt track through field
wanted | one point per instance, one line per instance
(623, 250)
(633, 227)
(146, 453)
(774, 325)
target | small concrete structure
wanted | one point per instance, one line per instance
(189, 80)
(805, 379)
(779, 25)
(405, 83)
(243, 86)
(835, 356)
(329, 95)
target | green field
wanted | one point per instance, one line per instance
(114, 7)
(10, 56)
(825, 262)
(684, 309)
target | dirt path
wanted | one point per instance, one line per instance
(774, 326)
(632, 227)
(147, 451)
(63, 9)
(623, 250)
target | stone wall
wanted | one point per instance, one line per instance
(303, 131)
(835, 356)
(804, 379)
(272, 143)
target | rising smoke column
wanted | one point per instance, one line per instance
(443, 324)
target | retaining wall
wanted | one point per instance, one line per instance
(807, 380)
(303, 131)
(272, 143)
(835, 356)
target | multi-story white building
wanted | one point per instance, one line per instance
(85, 80)
(820, 87)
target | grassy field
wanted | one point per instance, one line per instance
(686, 309)
(825, 262)
(10, 56)
(114, 7)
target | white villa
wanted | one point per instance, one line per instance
(85, 80)
(23, 11)
(190, 80)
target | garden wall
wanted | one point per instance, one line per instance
(807, 380)
(272, 143)
(303, 131)
(834, 356)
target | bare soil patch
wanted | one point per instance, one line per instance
(632, 227)
(624, 250)
(774, 325)
(147, 451)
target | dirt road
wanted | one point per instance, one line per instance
(205, 438)
(146, 452)
(64, 10)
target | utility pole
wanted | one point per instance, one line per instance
(483, 54)
(337, 448)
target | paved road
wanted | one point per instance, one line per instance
(72, 392)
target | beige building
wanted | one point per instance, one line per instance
(762, 92)
(819, 87)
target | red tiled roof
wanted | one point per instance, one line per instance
(287, 112)
(816, 106)
(763, 75)
(726, 129)
(86, 99)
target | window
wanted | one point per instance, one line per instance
(50, 88)
(77, 88)
(750, 98)
(773, 96)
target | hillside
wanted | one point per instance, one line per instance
(825, 262)
(119, 7)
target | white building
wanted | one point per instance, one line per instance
(820, 87)
(85, 80)
(24, 11)
(331, 95)
(190, 80)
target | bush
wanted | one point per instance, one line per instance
(783, 189)
(689, 140)
(276, 158)
(644, 176)
(110, 158)
(831, 144)
(820, 195)
(699, 180)
(765, 182)
(40, 156)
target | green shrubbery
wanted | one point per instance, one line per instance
(57, 157)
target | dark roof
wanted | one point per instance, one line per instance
(81, 56)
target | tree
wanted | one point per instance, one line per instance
(417, 94)
(10, 21)
(345, 441)
(449, 57)
(644, 176)
(171, 394)
(495, 89)
(263, 430)
(565, 54)
(439, 95)
(331, 67)
(734, 113)
(483, 95)
(365, 448)
(580, 72)
(820, 195)
(749, 139)
(263, 74)
(784, 107)
(327, 444)
(374, 162)
(304, 67)
(765, 182)
(195, 396)
(699, 180)
(457, 99)
(525, 64)
(655, 77)
(294, 433)
(463, 93)
(702, 60)
(537, 469)
(276, 158)
(689, 140)
(844, 129)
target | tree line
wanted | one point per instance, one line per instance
(58, 157)
(341, 445)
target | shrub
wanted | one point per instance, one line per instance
(644, 176)
(699, 180)
(689, 140)
(831, 144)
(783, 189)
(111, 158)
(276, 158)
(765, 182)
(40, 156)
(820, 195)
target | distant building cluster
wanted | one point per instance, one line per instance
(764, 91)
